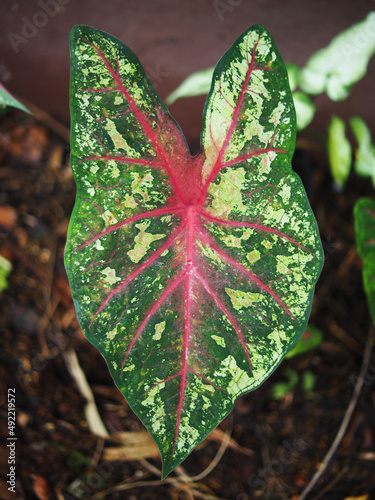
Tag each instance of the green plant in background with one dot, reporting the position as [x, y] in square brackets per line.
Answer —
[337, 67]
[364, 223]
[364, 161]
[339, 152]
[305, 108]
[308, 342]
[5, 269]
[193, 276]
[8, 101]
[341, 161]
[333, 70]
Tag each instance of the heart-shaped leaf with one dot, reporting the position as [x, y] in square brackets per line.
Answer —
[193, 276]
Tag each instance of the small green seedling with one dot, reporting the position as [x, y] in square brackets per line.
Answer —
[309, 341]
[193, 276]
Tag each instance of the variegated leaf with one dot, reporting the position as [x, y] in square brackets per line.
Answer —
[192, 275]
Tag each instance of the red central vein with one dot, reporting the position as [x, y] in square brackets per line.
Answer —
[228, 315]
[190, 220]
[151, 213]
[248, 273]
[138, 271]
[252, 225]
[141, 119]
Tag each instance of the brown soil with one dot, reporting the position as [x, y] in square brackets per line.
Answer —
[276, 445]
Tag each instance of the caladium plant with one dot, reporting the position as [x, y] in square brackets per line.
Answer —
[193, 276]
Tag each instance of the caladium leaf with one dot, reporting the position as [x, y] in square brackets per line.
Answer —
[364, 223]
[193, 276]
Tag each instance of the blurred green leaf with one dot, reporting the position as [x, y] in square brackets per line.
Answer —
[305, 109]
[281, 388]
[198, 83]
[335, 68]
[7, 100]
[361, 132]
[364, 161]
[5, 269]
[308, 381]
[364, 223]
[309, 340]
[293, 75]
[339, 151]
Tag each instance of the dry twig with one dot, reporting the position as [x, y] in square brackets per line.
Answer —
[189, 484]
[93, 418]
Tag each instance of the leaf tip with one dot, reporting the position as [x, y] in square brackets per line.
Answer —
[167, 467]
